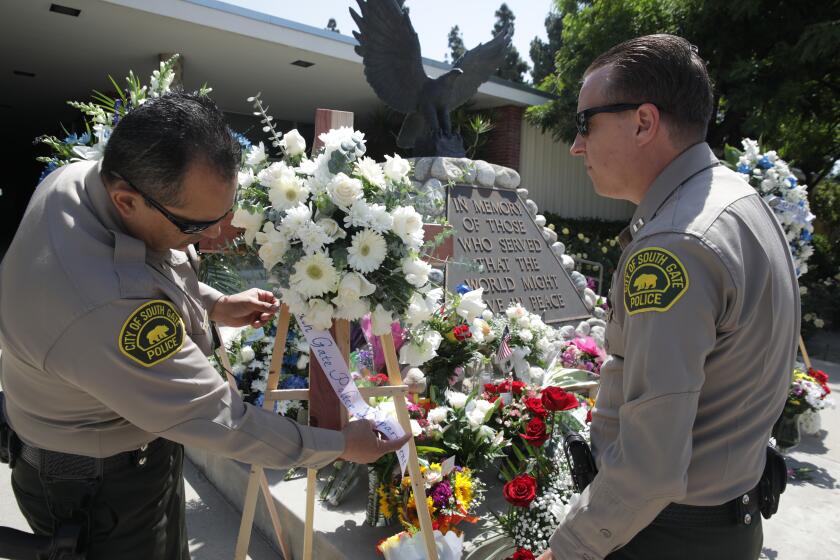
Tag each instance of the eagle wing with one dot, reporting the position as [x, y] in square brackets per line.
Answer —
[390, 49]
[478, 64]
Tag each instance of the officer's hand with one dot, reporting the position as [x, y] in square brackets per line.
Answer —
[253, 307]
[364, 445]
[547, 555]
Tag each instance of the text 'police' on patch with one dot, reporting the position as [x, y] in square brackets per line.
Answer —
[151, 334]
[654, 279]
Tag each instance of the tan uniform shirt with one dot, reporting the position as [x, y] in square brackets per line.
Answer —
[74, 290]
[702, 339]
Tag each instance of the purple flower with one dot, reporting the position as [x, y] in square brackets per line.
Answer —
[441, 494]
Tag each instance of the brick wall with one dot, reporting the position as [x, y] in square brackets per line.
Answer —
[504, 140]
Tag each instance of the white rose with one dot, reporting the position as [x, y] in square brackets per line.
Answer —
[332, 228]
[415, 379]
[416, 271]
[352, 287]
[408, 225]
[249, 221]
[455, 398]
[380, 321]
[438, 414]
[246, 354]
[319, 314]
[344, 190]
[293, 143]
[351, 310]
[525, 335]
[293, 300]
[475, 418]
[471, 304]
[396, 168]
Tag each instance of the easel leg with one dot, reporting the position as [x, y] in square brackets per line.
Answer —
[417, 484]
[309, 524]
[805, 356]
[248, 510]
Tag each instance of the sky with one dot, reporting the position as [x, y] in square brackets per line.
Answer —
[432, 19]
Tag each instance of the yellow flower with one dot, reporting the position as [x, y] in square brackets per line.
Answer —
[565, 231]
[384, 502]
[464, 488]
[431, 503]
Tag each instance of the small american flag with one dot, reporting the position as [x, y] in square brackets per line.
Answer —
[504, 352]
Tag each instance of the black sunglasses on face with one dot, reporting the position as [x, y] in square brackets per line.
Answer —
[188, 227]
[582, 118]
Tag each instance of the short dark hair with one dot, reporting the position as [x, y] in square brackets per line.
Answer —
[667, 71]
[155, 144]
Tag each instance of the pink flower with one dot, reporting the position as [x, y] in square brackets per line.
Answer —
[587, 344]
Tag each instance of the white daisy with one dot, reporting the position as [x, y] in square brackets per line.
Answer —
[367, 251]
[314, 275]
[288, 191]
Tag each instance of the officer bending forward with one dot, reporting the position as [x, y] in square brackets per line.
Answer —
[104, 330]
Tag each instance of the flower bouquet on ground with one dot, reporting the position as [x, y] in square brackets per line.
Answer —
[453, 494]
[539, 487]
[337, 232]
[808, 395]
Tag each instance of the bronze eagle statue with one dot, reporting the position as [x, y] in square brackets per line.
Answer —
[390, 51]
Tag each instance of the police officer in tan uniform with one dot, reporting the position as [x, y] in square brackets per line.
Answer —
[702, 329]
[105, 331]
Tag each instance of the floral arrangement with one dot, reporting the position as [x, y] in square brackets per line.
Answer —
[249, 351]
[809, 391]
[772, 178]
[336, 232]
[583, 352]
[102, 115]
[538, 487]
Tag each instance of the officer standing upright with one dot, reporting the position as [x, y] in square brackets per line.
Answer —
[702, 329]
[105, 331]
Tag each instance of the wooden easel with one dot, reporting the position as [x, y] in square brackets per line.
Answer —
[396, 390]
[805, 356]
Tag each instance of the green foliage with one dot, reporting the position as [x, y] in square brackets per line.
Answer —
[513, 67]
[456, 43]
[593, 240]
[772, 63]
[542, 53]
[820, 301]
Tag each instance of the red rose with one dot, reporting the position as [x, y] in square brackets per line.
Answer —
[504, 386]
[589, 416]
[535, 433]
[462, 332]
[491, 388]
[555, 398]
[820, 376]
[522, 554]
[521, 491]
[535, 405]
[517, 387]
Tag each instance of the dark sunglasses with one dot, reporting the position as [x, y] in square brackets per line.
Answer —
[188, 227]
[582, 118]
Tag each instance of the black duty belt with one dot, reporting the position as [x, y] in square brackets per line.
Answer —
[743, 510]
[68, 465]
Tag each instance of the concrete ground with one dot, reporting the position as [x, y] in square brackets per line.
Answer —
[805, 527]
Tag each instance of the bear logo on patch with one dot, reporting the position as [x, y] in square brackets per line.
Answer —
[151, 334]
[654, 280]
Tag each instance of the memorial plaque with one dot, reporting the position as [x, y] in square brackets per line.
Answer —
[494, 230]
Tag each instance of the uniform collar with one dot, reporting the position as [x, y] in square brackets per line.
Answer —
[110, 218]
[692, 161]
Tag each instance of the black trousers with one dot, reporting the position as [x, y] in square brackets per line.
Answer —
[137, 513]
[664, 540]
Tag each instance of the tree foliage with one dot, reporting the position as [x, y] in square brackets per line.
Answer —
[542, 53]
[513, 67]
[774, 66]
[456, 43]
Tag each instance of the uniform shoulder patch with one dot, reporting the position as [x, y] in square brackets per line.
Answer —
[654, 280]
[151, 334]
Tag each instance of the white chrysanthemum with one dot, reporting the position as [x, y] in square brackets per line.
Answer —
[344, 190]
[313, 238]
[293, 300]
[416, 271]
[367, 251]
[380, 321]
[249, 221]
[293, 143]
[343, 138]
[295, 219]
[379, 219]
[245, 178]
[396, 168]
[358, 215]
[408, 225]
[314, 275]
[371, 171]
[255, 155]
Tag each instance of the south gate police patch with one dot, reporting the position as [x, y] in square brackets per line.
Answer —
[153, 333]
[654, 280]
